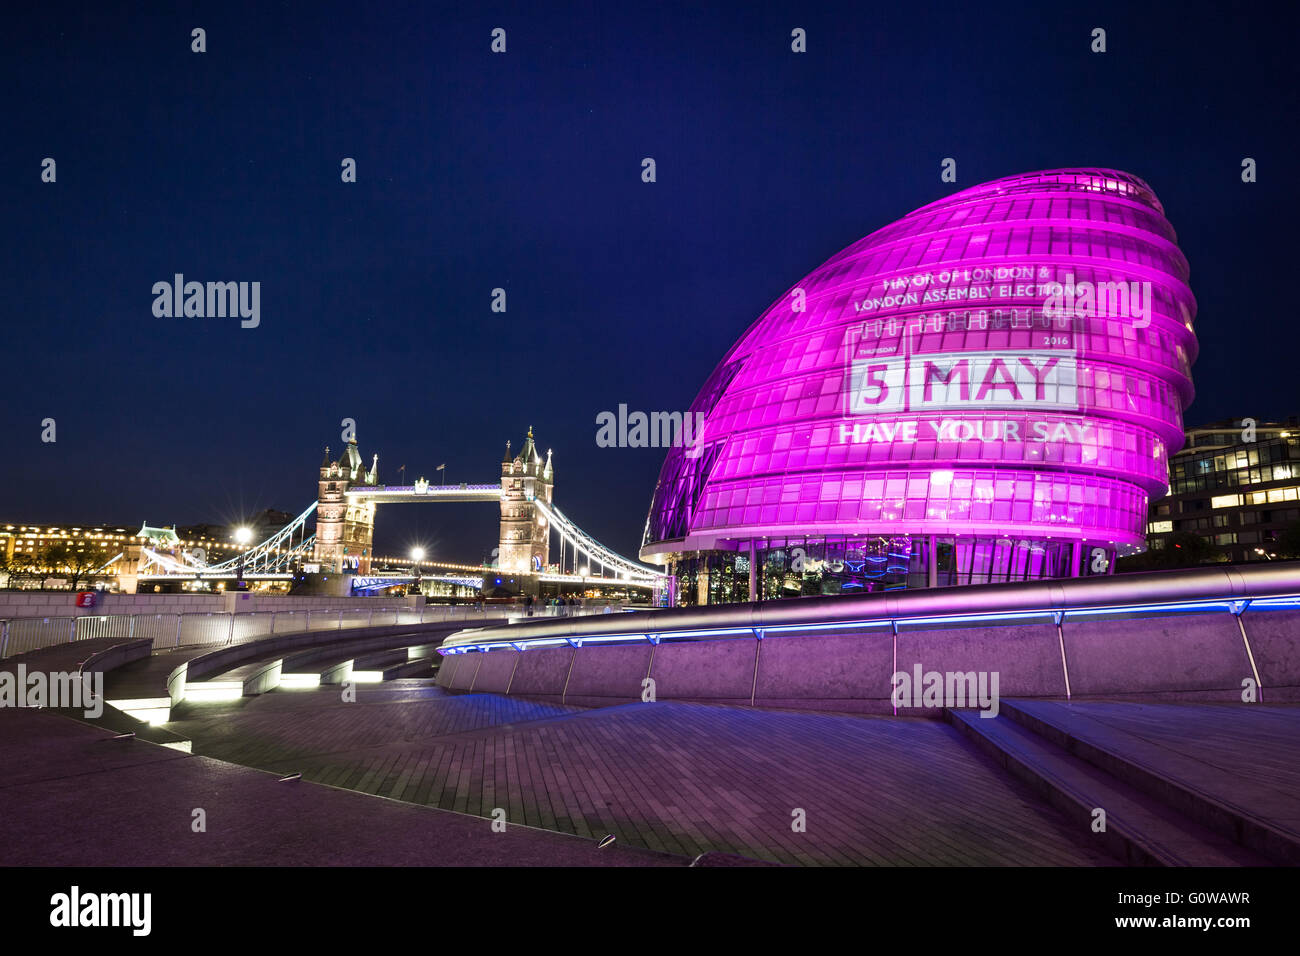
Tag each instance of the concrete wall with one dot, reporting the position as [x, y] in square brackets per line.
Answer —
[612, 677]
[1200, 656]
[117, 655]
[541, 672]
[493, 674]
[721, 671]
[62, 603]
[1169, 656]
[264, 679]
[464, 676]
[848, 672]
[1275, 644]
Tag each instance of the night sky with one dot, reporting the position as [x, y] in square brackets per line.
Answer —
[523, 171]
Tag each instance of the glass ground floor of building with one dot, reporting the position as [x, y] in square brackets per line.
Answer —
[778, 568]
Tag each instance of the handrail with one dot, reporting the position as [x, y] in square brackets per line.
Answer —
[1180, 589]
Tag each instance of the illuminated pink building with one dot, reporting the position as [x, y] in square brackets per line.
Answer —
[986, 390]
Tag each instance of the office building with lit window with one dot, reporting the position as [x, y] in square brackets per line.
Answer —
[986, 390]
[1236, 484]
[29, 554]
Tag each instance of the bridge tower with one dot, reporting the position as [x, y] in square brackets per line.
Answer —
[525, 545]
[345, 529]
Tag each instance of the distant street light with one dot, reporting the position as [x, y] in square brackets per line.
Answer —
[243, 535]
[417, 555]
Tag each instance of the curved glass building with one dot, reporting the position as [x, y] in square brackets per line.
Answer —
[986, 390]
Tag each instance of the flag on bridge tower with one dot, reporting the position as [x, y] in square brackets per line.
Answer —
[442, 468]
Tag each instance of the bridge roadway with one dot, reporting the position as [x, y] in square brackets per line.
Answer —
[389, 494]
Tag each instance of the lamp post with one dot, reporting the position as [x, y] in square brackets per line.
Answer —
[417, 555]
[242, 537]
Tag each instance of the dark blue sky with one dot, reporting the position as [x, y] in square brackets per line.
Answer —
[522, 171]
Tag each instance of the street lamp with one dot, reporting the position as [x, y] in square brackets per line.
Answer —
[417, 555]
[242, 537]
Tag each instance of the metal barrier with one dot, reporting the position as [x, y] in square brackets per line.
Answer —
[23, 634]
[564, 610]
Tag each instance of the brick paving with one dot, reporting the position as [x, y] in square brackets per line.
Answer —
[674, 777]
[74, 796]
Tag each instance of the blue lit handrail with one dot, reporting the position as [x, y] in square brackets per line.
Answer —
[1182, 590]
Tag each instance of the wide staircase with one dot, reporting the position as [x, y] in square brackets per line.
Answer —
[1170, 782]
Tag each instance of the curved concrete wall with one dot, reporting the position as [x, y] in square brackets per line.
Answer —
[264, 679]
[1275, 644]
[613, 677]
[494, 672]
[1171, 656]
[1197, 656]
[540, 673]
[117, 655]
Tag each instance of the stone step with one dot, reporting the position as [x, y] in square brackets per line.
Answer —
[407, 669]
[1140, 831]
[380, 660]
[1155, 771]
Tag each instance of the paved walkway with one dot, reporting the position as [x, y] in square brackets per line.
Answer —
[670, 780]
[73, 796]
[674, 777]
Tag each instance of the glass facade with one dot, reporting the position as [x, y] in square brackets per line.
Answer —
[1009, 364]
[810, 567]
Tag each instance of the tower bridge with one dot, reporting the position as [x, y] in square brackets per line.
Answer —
[347, 500]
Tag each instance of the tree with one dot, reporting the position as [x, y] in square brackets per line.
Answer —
[1182, 549]
[1288, 541]
[22, 567]
[74, 562]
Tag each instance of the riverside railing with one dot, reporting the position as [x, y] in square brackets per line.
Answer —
[22, 634]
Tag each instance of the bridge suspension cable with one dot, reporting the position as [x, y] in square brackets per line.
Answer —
[277, 552]
[596, 552]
